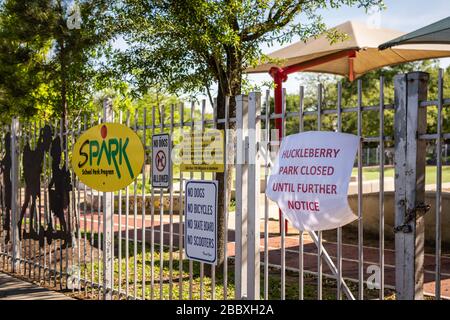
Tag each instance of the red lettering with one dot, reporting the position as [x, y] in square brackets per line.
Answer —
[317, 170]
[304, 205]
[333, 189]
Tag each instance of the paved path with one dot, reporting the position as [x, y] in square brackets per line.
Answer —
[15, 289]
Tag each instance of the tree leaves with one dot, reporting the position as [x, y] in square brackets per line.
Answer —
[45, 63]
[185, 44]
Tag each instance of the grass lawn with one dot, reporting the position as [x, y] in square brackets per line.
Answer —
[372, 173]
[137, 285]
[274, 281]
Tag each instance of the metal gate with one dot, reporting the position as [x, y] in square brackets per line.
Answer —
[129, 244]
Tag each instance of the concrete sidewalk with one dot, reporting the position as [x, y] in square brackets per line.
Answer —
[15, 289]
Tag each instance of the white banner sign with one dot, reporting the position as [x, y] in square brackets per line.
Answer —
[161, 160]
[200, 229]
[310, 178]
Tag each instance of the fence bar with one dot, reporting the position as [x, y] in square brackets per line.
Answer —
[180, 216]
[319, 233]
[108, 216]
[36, 219]
[241, 208]
[119, 242]
[283, 221]
[135, 231]
[301, 274]
[191, 176]
[161, 220]
[91, 231]
[144, 230]
[439, 188]
[21, 142]
[77, 206]
[225, 198]
[152, 221]
[71, 211]
[171, 208]
[214, 177]
[99, 225]
[266, 199]
[253, 191]
[15, 263]
[127, 234]
[360, 195]
[46, 217]
[339, 230]
[381, 192]
[26, 139]
[202, 177]
[410, 121]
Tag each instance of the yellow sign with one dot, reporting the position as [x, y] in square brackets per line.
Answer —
[108, 157]
[203, 151]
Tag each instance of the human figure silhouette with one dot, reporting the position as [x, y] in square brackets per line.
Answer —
[59, 191]
[32, 169]
[5, 169]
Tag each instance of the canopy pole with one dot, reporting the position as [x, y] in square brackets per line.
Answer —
[351, 69]
[279, 76]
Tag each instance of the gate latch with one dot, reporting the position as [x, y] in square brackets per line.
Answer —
[421, 208]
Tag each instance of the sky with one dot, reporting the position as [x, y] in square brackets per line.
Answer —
[402, 15]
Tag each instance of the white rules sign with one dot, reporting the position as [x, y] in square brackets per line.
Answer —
[309, 180]
[200, 229]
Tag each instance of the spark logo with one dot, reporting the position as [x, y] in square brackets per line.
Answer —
[115, 151]
[108, 157]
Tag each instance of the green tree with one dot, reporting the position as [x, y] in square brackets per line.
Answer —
[58, 49]
[22, 54]
[370, 84]
[191, 45]
[370, 94]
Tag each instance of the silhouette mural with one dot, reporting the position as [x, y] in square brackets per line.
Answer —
[32, 170]
[59, 195]
[5, 170]
[59, 188]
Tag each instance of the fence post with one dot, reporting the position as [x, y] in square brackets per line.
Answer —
[108, 211]
[254, 181]
[241, 260]
[410, 123]
[14, 195]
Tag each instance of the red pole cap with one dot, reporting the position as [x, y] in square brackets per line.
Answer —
[278, 72]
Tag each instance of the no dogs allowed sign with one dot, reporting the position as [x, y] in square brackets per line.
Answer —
[200, 231]
[161, 160]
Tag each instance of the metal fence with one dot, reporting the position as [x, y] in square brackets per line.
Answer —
[129, 244]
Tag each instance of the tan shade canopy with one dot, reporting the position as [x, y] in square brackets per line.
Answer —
[364, 40]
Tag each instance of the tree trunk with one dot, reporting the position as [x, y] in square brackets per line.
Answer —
[231, 89]
[223, 201]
